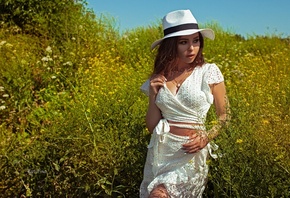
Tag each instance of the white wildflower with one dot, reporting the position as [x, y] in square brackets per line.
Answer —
[1, 88]
[48, 49]
[45, 59]
[49, 58]
[53, 77]
[5, 95]
[3, 43]
[9, 45]
[2, 107]
[69, 63]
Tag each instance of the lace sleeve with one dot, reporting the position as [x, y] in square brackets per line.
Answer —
[214, 75]
[145, 87]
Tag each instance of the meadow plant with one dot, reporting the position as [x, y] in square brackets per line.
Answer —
[73, 116]
[255, 161]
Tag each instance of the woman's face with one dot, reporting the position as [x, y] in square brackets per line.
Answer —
[187, 48]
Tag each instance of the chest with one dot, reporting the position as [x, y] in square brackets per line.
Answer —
[190, 93]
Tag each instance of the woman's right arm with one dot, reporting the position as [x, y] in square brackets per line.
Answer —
[153, 114]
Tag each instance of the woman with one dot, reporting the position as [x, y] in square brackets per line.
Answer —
[181, 90]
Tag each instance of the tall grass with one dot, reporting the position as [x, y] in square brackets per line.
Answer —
[72, 115]
[256, 161]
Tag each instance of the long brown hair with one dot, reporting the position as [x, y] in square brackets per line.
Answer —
[165, 60]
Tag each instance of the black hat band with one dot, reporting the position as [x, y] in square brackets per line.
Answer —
[180, 28]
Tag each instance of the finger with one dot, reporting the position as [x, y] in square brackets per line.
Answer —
[195, 148]
[158, 77]
[156, 80]
[164, 79]
[192, 149]
[193, 139]
[193, 136]
[190, 146]
[156, 84]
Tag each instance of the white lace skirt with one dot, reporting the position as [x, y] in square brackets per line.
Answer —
[183, 175]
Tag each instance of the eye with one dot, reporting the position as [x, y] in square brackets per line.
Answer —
[182, 42]
[196, 40]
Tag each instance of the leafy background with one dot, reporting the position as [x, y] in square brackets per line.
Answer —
[72, 114]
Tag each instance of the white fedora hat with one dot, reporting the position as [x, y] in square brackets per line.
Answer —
[181, 23]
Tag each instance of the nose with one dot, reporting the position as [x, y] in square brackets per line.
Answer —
[191, 46]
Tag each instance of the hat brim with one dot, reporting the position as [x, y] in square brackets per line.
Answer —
[208, 33]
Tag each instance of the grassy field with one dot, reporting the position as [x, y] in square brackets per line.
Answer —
[72, 114]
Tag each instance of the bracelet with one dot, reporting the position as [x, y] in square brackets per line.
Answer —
[211, 134]
[214, 132]
[203, 134]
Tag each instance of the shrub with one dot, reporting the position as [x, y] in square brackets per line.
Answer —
[72, 115]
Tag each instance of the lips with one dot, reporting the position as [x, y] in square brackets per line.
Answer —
[191, 56]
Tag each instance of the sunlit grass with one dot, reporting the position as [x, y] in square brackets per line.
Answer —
[72, 118]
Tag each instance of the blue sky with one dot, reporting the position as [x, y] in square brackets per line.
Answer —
[245, 17]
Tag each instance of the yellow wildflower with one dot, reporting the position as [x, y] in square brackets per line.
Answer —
[239, 141]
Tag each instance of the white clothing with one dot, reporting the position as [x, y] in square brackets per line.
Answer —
[183, 174]
[193, 99]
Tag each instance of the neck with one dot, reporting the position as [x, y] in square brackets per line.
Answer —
[184, 68]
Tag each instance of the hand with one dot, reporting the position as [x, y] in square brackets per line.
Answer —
[156, 82]
[197, 142]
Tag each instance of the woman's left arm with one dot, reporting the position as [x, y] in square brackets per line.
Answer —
[221, 104]
[202, 138]
[220, 100]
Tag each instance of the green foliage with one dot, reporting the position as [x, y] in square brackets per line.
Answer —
[54, 20]
[72, 115]
[255, 161]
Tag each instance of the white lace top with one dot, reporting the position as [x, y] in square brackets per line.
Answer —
[193, 99]
[182, 174]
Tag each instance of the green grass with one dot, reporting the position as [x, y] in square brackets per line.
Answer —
[72, 115]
